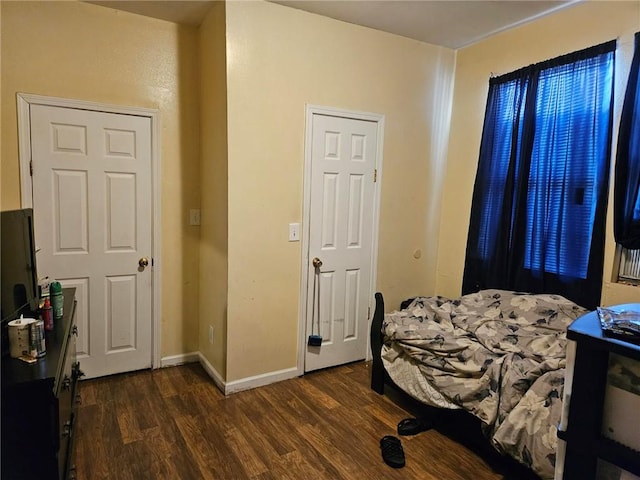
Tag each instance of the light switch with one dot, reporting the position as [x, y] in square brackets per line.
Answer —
[294, 232]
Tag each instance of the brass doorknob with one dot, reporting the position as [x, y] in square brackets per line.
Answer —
[317, 263]
[143, 262]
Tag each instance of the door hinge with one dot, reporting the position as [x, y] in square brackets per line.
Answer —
[31, 168]
[375, 175]
[368, 313]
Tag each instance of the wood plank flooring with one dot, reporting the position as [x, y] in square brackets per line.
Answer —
[173, 423]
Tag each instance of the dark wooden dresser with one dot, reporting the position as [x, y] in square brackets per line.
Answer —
[39, 406]
[585, 442]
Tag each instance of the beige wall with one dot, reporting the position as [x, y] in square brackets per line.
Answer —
[213, 177]
[82, 51]
[231, 97]
[572, 29]
[278, 60]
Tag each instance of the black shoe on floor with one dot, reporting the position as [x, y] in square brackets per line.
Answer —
[413, 426]
[392, 452]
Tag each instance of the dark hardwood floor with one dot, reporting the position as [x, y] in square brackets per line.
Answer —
[173, 423]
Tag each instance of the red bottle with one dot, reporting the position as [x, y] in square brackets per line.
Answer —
[47, 315]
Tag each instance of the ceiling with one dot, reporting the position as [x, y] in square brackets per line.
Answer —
[449, 23]
[186, 12]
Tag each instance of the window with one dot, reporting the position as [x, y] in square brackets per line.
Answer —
[539, 202]
[505, 105]
[570, 148]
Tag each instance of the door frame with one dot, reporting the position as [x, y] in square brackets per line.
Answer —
[24, 102]
[310, 111]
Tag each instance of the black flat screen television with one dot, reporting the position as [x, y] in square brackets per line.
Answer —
[19, 273]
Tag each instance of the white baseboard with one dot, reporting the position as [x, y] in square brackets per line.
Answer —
[181, 359]
[213, 373]
[260, 380]
[237, 385]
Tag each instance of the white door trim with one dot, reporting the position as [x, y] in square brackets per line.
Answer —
[312, 110]
[24, 102]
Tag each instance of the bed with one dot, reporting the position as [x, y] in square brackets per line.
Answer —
[496, 354]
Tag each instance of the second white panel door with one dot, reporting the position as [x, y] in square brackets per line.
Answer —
[343, 163]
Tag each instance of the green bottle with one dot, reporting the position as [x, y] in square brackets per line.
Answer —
[57, 300]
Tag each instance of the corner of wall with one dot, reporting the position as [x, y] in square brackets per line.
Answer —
[212, 325]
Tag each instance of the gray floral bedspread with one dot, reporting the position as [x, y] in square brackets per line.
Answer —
[499, 355]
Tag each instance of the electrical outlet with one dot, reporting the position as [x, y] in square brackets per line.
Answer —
[194, 216]
[211, 334]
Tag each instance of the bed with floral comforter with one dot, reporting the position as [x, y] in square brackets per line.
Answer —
[497, 354]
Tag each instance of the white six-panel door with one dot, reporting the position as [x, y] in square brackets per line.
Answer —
[341, 219]
[92, 208]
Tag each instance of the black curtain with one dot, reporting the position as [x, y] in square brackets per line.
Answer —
[626, 213]
[540, 195]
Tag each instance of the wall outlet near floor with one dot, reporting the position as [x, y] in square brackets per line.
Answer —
[194, 216]
[211, 334]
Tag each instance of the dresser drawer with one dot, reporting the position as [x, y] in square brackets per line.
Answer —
[65, 413]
